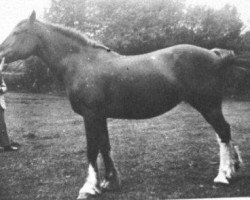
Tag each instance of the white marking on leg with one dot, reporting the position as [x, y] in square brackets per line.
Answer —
[111, 180]
[91, 186]
[112, 183]
[92, 175]
[238, 155]
[224, 168]
[230, 161]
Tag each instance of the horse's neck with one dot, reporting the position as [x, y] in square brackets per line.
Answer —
[51, 48]
[52, 51]
[56, 46]
[56, 49]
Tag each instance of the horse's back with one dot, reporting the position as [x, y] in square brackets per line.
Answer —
[184, 66]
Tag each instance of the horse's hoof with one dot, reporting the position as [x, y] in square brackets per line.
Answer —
[83, 196]
[106, 185]
[221, 179]
[109, 185]
[87, 191]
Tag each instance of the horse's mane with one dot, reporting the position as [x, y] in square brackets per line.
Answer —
[77, 36]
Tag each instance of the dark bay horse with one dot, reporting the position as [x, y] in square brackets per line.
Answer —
[102, 84]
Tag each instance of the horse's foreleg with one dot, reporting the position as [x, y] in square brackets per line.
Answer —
[111, 180]
[93, 127]
[230, 159]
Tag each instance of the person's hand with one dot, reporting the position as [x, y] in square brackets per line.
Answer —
[2, 63]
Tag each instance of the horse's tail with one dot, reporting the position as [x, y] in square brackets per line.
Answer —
[241, 63]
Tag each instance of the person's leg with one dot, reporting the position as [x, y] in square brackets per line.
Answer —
[4, 138]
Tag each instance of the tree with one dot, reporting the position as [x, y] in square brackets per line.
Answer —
[130, 27]
[212, 28]
[246, 40]
[135, 27]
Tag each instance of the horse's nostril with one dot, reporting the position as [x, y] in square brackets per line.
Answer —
[237, 166]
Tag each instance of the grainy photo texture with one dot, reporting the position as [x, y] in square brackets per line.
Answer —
[124, 99]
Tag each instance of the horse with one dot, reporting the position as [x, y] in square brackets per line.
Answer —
[100, 84]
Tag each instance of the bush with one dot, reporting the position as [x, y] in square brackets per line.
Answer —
[135, 27]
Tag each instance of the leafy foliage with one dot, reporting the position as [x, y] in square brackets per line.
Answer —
[136, 27]
[213, 28]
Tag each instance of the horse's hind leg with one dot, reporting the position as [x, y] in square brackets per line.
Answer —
[211, 109]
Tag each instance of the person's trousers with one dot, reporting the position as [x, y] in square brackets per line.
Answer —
[4, 138]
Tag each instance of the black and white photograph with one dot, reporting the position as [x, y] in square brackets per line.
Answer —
[124, 99]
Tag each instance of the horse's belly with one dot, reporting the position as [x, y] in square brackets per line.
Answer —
[142, 108]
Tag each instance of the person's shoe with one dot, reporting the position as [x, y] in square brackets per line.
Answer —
[10, 148]
[15, 144]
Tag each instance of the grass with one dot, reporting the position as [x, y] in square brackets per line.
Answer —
[171, 156]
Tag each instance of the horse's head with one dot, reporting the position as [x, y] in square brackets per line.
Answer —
[22, 41]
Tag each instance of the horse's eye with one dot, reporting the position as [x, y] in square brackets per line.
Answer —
[19, 32]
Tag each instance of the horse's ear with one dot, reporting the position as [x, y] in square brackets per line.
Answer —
[32, 17]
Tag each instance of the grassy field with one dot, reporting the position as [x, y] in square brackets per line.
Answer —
[171, 156]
